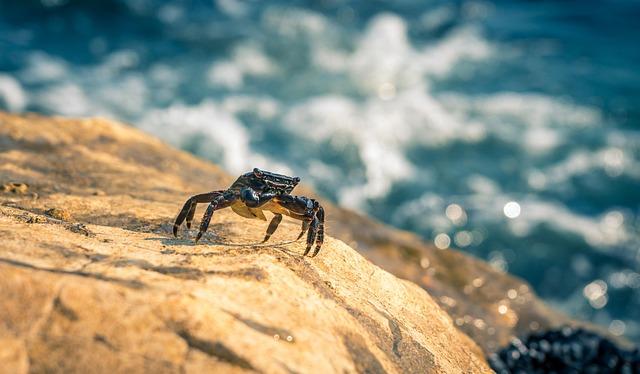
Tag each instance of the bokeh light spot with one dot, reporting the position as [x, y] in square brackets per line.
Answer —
[511, 209]
[617, 327]
[442, 241]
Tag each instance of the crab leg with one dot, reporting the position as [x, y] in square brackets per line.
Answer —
[219, 202]
[252, 199]
[277, 218]
[305, 227]
[311, 235]
[320, 240]
[189, 208]
[310, 213]
[305, 218]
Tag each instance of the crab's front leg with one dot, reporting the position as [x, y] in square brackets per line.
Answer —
[189, 208]
[220, 202]
[273, 225]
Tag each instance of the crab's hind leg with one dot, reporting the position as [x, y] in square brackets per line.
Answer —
[305, 227]
[277, 218]
[189, 208]
[306, 220]
[320, 239]
[310, 213]
[311, 235]
[219, 202]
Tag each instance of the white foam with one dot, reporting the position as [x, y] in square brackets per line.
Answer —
[233, 8]
[128, 95]
[330, 59]
[385, 55]
[68, 99]
[264, 107]
[253, 60]
[382, 131]
[597, 231]
[164, 81]
[380, 146]
[613, 160]
[594, 232]
[215, 127]
[482, 185]
[220, 135]
[541, 140]
[465, 43]
[247, 60]
[430, 208]
[536, 110]
[43, 68]
[398, 110]
[170, 13]
[435, 18]
[115, 63]
[295, 23]
[536, 122]
[12, 95]
[225, 74]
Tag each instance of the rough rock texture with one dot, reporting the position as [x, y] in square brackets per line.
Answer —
[92, 281]
[565, 351]
[490, 306]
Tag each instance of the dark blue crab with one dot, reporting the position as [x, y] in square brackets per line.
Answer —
[253, 193]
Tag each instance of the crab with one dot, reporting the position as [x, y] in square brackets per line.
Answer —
[250, 196]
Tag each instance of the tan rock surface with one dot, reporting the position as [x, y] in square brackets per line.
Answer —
[99, 285]
[490, 306]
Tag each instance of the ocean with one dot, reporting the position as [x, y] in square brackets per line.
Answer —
[507, 129]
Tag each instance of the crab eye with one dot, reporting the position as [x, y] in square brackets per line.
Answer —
[296, 180]
[257, 172]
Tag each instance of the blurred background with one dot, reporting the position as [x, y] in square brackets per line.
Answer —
[507, 129]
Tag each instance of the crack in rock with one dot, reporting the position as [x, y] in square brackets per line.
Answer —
[215, 349]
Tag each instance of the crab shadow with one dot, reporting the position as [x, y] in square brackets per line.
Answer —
[282, 246]
[219, 235]
[131, 283]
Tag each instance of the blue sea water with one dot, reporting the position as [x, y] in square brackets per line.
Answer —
[508, 129]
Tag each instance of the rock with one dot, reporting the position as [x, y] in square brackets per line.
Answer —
[111, 162]
[490, 306]
[567, 350]
[13, 355]
[17, 188]
[57, 213]
[114, 292]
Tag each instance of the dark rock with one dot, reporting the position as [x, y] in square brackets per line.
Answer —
[569, 350]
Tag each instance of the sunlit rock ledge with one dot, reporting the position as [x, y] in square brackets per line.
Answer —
[92, 281]
[90, 273]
